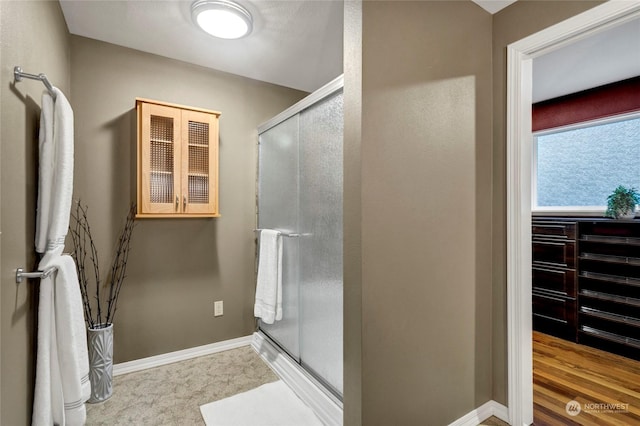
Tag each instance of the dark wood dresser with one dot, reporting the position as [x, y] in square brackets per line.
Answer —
[586, 281]
[554, 277]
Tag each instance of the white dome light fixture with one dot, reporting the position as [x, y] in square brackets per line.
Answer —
[222, 18]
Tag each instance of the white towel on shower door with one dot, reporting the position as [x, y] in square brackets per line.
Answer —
[62, 364]
[268, 305]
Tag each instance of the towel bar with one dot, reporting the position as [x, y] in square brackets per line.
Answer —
[284, 234]
[21, 274]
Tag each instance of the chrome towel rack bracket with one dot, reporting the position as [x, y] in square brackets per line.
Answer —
[18, 75]
[21, 274]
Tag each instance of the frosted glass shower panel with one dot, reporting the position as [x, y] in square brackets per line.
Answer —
[278, 206]
[321, 187]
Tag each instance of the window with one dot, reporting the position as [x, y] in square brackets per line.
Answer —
[577, 167]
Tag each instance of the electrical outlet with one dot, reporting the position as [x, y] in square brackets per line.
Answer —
[218, 308]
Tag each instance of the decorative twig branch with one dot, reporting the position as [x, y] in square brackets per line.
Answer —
[83, 246]
[81, 236]
[119, 266]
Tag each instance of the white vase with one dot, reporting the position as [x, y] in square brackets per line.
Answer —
[629, 214]
[100, 341]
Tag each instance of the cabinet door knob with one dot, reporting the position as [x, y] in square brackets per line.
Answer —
[177, 202]
[184, 203]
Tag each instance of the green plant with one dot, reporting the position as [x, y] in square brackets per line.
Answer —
[622, 201]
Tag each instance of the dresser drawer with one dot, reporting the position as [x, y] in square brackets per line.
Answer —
[561, 309]
[554, 315]
[559, 253]
[561, 281]
[555, 229]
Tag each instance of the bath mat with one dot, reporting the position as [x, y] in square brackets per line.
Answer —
[273, 404]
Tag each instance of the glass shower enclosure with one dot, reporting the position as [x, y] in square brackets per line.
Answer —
[300, 192]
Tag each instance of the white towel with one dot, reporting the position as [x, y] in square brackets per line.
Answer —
[62, 365]
[46, 151]
[268, 304]
[56, 172]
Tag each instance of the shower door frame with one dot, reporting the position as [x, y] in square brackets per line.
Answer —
[324, 92]
[314, 98]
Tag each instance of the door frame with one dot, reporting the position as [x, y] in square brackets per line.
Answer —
[520, 57]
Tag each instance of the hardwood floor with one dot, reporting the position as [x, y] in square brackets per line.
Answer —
[607, 386]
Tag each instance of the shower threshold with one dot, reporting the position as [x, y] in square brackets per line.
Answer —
[324, 403]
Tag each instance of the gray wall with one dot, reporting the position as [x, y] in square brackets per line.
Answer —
[418, 185]
[177, 267]
[352, 209]
[34, 36]
[425, 226]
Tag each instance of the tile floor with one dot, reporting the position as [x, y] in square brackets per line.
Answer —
[172, 394]
[494, 421]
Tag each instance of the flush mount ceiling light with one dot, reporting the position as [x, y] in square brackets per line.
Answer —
[222, 18]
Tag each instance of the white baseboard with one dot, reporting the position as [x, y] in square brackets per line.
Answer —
[482, 413]
[171, 357]
[326, 406]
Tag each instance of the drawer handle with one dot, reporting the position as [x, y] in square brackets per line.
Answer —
[555, 271]
[556, 299]
[561, 265]
[552, 243]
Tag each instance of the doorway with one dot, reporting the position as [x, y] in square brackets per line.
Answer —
[520, 57]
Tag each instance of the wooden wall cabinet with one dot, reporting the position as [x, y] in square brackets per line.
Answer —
[177, 160]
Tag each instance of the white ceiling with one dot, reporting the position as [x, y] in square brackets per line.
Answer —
[603, 58]
[493, 6]
[298, 43]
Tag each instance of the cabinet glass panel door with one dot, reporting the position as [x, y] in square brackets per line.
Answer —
[278, 207]
[199, 162]
[160, 158]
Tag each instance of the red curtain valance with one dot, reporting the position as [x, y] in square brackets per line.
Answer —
[604, 101]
